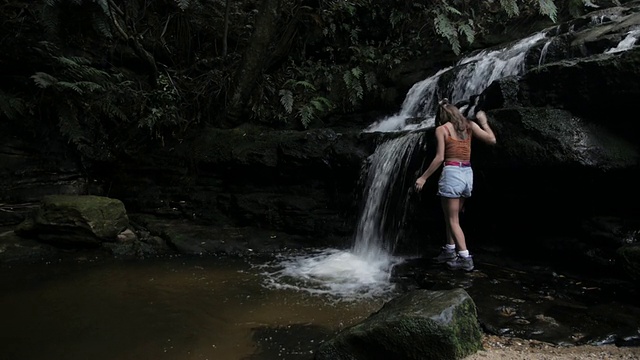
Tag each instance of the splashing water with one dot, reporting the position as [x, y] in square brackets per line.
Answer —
[625, 44]
[364, 269]
[339, 274]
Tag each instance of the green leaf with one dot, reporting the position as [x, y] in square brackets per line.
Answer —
[286, 99]
[548, 7]
[357, 72]
[90, 86]
[71, 86]
[306, 115]
[468, 31]
[44, 80]
[510, 7]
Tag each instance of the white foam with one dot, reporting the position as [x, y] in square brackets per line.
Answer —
[339, 273]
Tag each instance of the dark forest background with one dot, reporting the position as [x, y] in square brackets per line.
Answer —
[115, 77]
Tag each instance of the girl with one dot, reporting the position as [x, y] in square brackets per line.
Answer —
[456, 181]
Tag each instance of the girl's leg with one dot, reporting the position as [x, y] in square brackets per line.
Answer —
[451, 208]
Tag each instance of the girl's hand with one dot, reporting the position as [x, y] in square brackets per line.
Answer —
[420, 183]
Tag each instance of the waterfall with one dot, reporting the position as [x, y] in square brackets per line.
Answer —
[472, 75]
[364, 269]
[376, 233]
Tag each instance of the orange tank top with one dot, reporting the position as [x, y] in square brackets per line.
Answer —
[457, 149]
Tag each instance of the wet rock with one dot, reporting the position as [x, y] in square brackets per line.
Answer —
[420, 324]
[75, 220]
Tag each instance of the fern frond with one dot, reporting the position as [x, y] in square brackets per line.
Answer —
[286, 99]
[71, 86]
[71, 62]
[548, 8]
[305, 84]
[357, 72]
[102, 26]
[11, 107]
[468, 31]
[359, 91]
[510, 7]
[44, 80]
[89, 86]
[95, 74]
[446, 29]
[370, 80]
[450, 9]
[321, 103]
[347, 77]
[104, 6]
[183, 4]
[306, 115]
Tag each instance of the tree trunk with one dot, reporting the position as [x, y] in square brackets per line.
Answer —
[253, 61]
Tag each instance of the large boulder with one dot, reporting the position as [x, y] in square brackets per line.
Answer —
[420, 324]
[75, 220]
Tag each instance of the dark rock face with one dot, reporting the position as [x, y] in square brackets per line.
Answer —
[28, 172]
[420, 324]
[300, 182]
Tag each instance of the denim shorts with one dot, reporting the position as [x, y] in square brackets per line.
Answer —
[455, 182]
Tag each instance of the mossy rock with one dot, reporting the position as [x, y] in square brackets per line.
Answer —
[75, 219]
[421, 324]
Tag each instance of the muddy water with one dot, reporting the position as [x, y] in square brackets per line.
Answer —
[224, 309]
[162, 309]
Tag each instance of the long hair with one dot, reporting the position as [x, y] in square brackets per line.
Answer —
[450, 113]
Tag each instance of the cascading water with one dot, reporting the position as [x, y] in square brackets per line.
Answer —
[377, 229]
[472, 75]
[626, 43]
[364, 269]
